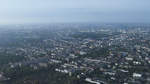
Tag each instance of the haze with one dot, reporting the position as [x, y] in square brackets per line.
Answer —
[54, 11]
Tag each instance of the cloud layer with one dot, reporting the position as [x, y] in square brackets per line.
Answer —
[49, 11]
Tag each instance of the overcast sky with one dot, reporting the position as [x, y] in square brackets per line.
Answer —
[52, 11]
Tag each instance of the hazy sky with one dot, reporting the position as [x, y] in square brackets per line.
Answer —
[51, 11]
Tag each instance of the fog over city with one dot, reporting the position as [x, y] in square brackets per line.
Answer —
[74, 41]
[67, 11]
